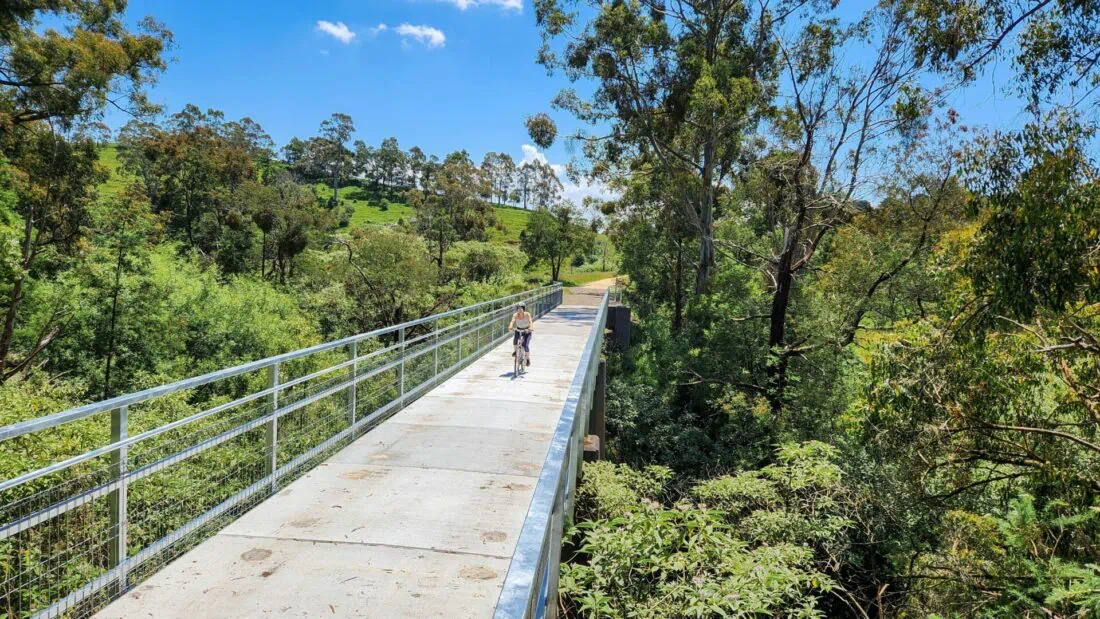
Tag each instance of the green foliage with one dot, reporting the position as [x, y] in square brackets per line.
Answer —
[88, 57]
[1039, 245]
[175, 319]
[1014, 560]
[483, 262]
[616, 490]
[1053, 45]
[203, 172]
[450, 208]
[747, 550]
[553, 235]
[542, 130]
[387, 277]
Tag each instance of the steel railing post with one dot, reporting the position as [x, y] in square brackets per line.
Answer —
[272, 463]
[117, 499]
[435, 345]
[354, 374]
[401, 370]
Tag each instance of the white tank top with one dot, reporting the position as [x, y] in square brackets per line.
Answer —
[523, 323]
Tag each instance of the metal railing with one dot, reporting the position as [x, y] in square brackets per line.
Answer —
[91, 505]
[615, 293]
[531, 586]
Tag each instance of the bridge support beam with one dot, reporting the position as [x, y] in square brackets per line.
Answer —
[618, 320]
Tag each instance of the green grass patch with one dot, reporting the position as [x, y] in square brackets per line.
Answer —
[108, 157]
[373, 207]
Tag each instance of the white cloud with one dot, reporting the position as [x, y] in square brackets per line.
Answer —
[338, 31]
[507, 5]
[532, 154]
[377, 29]
[574, 192]
[429, 36]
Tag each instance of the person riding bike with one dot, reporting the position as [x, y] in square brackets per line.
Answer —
[522, 325]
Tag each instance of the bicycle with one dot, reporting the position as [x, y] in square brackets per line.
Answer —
[520, 354]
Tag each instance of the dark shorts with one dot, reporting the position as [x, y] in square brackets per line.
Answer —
[526, 335]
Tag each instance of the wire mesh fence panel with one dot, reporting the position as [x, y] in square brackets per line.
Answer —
[98, 498]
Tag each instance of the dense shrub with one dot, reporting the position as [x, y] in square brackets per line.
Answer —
[758, 543]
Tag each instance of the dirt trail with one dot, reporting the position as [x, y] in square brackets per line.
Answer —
[602, 284]
[589, 294]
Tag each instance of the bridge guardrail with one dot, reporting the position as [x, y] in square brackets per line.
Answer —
[531, 585]
[183, 459]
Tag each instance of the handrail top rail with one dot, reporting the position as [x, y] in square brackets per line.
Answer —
[38, 424]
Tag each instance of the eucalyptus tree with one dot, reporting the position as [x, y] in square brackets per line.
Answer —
[525, 182]
[336, 158]
[66, 62]
[417, 160]
[852, 90]
[1053, 45]
[195, 169]
[769, 115]
[554, 234]
[450, 208]
[392, 163]
[504, 177]
[54, 181]
[54, 80]
[490, 169]
[681, 82]
[546, 187]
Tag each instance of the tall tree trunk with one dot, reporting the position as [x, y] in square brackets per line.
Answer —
[784, 283]
[781, 299]
[114, 321]
[441, 250]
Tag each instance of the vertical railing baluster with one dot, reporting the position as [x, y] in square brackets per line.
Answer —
[272, 462]
[401, 371]
[435, 342]
[352, 390]
[118, 497]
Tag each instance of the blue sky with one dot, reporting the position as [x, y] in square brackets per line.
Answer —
[442, 74]
[269, 60]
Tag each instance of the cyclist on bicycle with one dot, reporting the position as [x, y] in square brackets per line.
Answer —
[522, 325]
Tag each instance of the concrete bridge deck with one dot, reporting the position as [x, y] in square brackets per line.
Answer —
[418, 518]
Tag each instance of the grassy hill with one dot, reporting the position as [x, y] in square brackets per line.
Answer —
[108, 156]
[373, 207]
